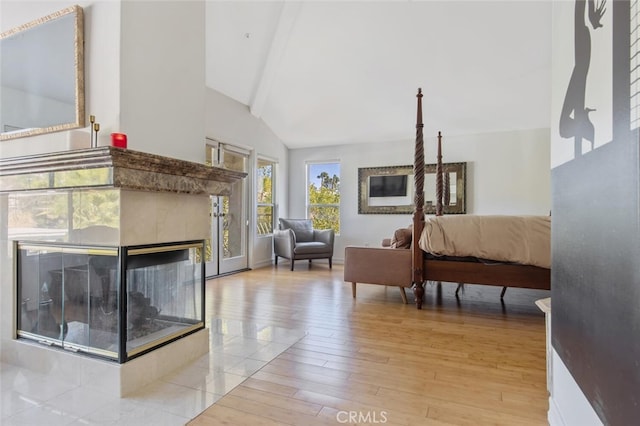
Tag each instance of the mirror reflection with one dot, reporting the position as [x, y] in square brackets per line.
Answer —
[390, 190]
[41, 75]
[454, 177]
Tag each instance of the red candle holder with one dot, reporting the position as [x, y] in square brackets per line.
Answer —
[119, 140]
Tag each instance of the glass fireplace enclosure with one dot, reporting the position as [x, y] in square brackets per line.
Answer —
[112, 302]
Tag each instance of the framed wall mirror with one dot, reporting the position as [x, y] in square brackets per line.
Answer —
[390, 190]
[42, 75]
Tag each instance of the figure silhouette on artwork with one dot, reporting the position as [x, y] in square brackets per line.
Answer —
[579, 126]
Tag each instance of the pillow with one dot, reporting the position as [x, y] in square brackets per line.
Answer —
[401, 238]
[302, 228]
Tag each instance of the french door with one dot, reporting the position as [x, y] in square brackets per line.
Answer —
[227, 249]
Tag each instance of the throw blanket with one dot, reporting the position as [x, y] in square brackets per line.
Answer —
[518, 239]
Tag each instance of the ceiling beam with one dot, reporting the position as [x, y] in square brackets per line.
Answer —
[286, 21]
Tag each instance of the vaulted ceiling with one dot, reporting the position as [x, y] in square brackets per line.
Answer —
[334, 72]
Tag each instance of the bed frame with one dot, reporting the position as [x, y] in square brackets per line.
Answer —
[425, 269]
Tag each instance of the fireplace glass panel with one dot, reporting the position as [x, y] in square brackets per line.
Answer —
[164, 290]
[69, 297]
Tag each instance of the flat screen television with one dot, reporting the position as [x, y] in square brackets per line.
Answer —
[388, 186]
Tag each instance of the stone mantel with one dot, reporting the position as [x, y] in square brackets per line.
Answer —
[110, 167]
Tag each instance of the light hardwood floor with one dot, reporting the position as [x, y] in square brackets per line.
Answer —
[374, 360]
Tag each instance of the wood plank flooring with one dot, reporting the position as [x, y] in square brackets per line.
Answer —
[373, 360]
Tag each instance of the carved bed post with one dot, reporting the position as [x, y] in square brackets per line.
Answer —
[418, 214]
[439, 177]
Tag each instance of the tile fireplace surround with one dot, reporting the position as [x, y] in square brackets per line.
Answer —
[101, 197]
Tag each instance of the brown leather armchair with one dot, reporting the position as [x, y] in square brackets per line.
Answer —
[296, 239]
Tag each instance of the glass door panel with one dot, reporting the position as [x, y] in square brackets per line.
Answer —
[232, 216]
[228, 246]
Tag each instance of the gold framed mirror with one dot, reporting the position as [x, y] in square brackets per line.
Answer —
[390, 190]
[42, 75]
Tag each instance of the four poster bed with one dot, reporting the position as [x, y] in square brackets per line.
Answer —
[521, 262]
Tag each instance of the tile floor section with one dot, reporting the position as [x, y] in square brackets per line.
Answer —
[237, 350]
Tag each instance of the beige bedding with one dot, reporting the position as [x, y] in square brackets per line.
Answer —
[518, 239]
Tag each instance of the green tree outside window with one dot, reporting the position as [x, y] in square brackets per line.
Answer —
[323, 206]
[264, 197]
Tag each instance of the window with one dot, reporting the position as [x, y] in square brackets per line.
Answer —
[323, 195]
[264, 196]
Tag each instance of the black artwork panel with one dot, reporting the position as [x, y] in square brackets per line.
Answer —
[596, 253]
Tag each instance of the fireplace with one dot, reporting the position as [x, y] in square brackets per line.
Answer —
[115, 303]
[101, 253]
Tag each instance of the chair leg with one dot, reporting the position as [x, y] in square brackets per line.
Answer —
[504, 290]
[329, 263]
[292, 264]
[404, 295]
[353, 290]
[276, 260]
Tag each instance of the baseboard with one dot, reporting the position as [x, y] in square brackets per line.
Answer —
[262, 264]
[213, 277]
[553, 415]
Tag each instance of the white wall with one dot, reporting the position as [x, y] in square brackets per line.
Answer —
[162, 89]
[230, 122]
[507, 173]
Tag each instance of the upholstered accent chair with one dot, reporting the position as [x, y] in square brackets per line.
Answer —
[296, 239]
[378, 265]
[387, 265]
